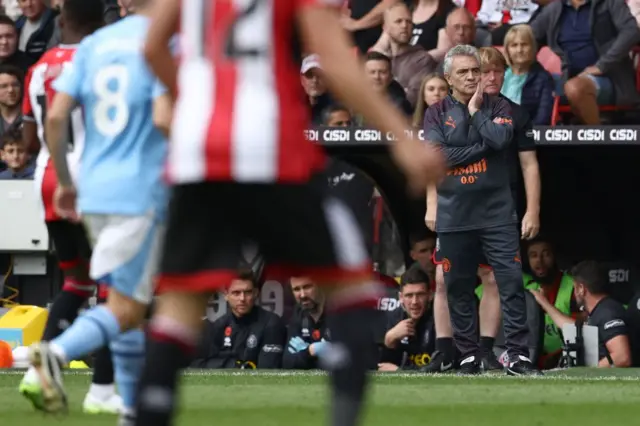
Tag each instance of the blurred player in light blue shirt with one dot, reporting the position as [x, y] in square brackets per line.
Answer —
[121, 171]
[121, 196]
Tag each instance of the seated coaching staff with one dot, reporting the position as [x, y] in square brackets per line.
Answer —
[307, 332]
[604, 312]
[247, 336]
[410, 335]
[476, 216]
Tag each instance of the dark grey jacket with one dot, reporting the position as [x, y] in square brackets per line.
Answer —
[476, 192]
[614, 31]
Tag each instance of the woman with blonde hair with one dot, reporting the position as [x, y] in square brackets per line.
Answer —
[526, 82]
[433, 89]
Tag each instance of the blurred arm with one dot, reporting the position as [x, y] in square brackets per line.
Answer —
[56, 129]
[164, 24]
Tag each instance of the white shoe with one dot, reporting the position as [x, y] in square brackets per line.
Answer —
[110, 405]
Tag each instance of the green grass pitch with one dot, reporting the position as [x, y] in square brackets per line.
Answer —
[221, 398]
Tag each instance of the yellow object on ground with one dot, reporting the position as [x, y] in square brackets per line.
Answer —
[78, 364]
[23, 325]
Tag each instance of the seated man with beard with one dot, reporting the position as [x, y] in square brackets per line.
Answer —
[307, 334]
[591, 288]
[410, 338]
[557, 287]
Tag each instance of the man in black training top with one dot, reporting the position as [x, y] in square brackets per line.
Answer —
[307, 331]
[247, 336]
[606, 313]
[476, 215]
[409, 340]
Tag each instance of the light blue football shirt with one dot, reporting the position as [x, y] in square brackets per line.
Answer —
[123, 158]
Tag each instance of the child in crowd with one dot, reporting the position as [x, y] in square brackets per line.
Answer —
[14, 153]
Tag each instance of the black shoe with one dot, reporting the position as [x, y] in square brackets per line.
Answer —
[469, 366]
[522, 366]
[489, 362]
[127, 419]
[440, 363]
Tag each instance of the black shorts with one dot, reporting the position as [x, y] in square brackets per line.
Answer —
[298, 229]
[70, 242]
[438, 259]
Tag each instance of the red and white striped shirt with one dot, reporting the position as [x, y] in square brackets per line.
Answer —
[39, 95]
[241, 112]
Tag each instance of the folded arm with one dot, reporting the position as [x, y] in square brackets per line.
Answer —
[496, 126]
[454, 155]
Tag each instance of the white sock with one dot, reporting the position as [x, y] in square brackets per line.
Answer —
[102, 392]
[59, 353]
[31, 376]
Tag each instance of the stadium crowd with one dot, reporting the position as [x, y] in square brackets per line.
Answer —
[570, 61]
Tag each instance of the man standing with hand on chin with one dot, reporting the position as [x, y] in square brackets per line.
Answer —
[476, 216]
[523, 148]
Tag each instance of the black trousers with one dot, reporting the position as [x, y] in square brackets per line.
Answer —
[461, 252]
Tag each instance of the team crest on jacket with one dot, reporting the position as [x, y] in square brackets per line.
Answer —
[252, 342]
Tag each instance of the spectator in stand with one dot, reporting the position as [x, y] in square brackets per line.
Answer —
[378, 69]
[35, 27]
[429, 16]
[460, 29]
[593, 39]
[433, 89]
[604, 312]
[409, 63]
[9, 53]
[10, 97]
[496, 17]
[15, 156]
[526, 82]
[363, 19]
[315, 87]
